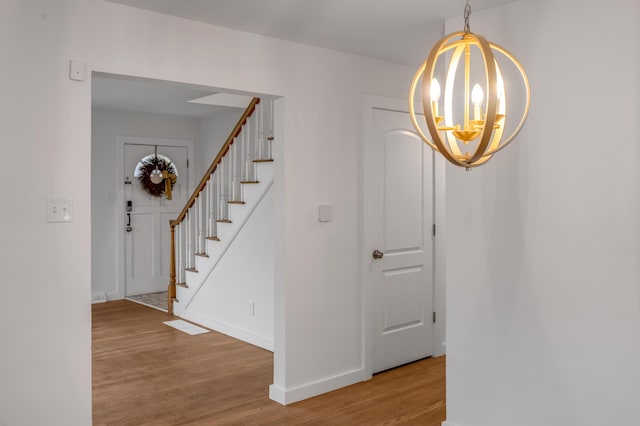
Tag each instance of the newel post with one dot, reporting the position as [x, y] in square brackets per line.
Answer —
[171, 291]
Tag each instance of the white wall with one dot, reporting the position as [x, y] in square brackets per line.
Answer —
[543, 250]
[244, 274]
[106, 126]
[45, 316]
[46, 367]
[214, 131]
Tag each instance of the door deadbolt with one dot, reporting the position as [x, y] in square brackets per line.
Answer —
[377, 254]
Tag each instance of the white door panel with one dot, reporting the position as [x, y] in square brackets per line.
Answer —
[403, 195]
[399, 203]
[147, 245]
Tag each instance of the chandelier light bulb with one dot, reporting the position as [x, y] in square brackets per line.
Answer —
[500, 86]
[500, 109]
[435, 97]
[477, 96]
[435, 90]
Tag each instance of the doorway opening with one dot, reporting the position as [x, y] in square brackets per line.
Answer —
[184, 125]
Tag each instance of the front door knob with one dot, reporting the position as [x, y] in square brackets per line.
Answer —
[377, 254]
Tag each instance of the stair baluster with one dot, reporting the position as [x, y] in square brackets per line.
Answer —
[199, 234]
[229, 178]
[192, 237]
[241, 159]
[235, 196]
[259, 133]
[254, 135]
[209, 210]
[223, 198]
[196, 242]
[251, 174]
[270, 129]
[187, 233]
[179, 264]
[214, 203]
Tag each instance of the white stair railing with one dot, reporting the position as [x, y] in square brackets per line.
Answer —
[221, 185]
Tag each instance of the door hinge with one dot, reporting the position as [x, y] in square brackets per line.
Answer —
[434, 317]
[434, 230]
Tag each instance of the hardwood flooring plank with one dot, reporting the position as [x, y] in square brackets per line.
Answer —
[146, 373]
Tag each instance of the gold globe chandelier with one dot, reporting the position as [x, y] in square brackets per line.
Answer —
[463, 139]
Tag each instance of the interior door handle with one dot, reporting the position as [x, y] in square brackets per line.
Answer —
[129, 228]
[377, 254]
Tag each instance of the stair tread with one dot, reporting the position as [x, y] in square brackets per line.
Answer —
[191, 269]
[202, 254]
[212, 238]
[223, 221]
[250, 181]
[183, 285]
[263, 161]
[236, 202]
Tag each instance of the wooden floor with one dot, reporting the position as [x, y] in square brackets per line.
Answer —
[146, 373]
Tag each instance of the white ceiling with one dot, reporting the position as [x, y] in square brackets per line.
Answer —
[400, 31]
[131, 94]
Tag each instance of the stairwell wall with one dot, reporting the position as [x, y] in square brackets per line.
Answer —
[214, 131]
[244, 275]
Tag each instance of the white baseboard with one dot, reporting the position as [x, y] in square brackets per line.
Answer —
[102, 296]
[113, 295]
[228, 329]
[277, 394]
[446, 423]
[319, 387]
[441, 350]
[98, 297]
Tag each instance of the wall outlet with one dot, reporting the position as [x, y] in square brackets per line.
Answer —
[252, 308]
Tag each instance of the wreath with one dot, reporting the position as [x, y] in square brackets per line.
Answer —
[157, 176]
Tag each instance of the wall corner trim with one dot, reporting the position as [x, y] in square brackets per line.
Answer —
[298, 393]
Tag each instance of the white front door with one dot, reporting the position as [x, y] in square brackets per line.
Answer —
[398, 204]
[146, 227]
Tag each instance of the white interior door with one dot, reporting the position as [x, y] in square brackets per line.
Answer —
[399, 209]
[147, 241]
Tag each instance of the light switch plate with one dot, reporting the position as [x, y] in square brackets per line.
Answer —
[325, 213]
[59, 210]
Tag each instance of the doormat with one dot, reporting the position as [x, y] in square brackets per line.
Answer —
[152, 300]
[186, 327]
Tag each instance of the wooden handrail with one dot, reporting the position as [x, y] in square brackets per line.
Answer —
[214, 165]
[203, 182]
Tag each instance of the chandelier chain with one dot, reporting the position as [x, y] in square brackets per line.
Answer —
[467, 14]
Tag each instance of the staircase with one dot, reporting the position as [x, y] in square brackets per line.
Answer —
[220, 242]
